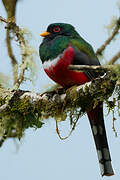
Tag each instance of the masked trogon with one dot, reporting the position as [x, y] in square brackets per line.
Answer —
[63, 46]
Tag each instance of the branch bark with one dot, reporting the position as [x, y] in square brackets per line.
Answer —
[10, 7]
[23, 109]
[26, 52]
[107, 42]
[114, 58]
[104, 68]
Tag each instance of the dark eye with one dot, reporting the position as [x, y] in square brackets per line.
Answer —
[56, 29]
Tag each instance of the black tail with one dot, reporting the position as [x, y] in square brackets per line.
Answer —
[99, 133]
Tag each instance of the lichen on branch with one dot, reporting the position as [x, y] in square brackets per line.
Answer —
[23, 109]
[27, 52]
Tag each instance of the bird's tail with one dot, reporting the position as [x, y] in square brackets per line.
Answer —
[99, 133]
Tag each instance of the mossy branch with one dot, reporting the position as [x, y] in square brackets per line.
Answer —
[23, 109]
[10, 7]
[104, 68]
[26, 50]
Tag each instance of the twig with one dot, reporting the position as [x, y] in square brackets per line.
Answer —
[114, 33]
[11, 25]
[12, 57]
[114, 58]
[10, 7]
[71, 131]
[3, 19]
[113, 123]
[103, 68]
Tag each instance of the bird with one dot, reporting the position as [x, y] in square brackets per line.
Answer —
[63, 46]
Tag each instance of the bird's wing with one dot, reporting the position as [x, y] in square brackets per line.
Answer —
[84, 55]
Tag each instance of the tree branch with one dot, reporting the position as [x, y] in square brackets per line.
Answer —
[114, 58]
[23, 109]
[12, 57]
[10, 7]
[104, 68]
[107, 42]
[26, 52]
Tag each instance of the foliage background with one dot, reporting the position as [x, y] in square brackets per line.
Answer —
[41, 154]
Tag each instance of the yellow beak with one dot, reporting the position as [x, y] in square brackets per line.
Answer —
[45, 34]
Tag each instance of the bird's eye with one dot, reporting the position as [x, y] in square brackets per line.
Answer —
[56, 29]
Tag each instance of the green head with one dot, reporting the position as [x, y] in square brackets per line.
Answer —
[56, 39]
[60, 29]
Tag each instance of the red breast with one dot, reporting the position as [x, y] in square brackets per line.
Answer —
[58, 70]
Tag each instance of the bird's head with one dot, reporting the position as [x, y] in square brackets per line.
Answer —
[59, 29]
